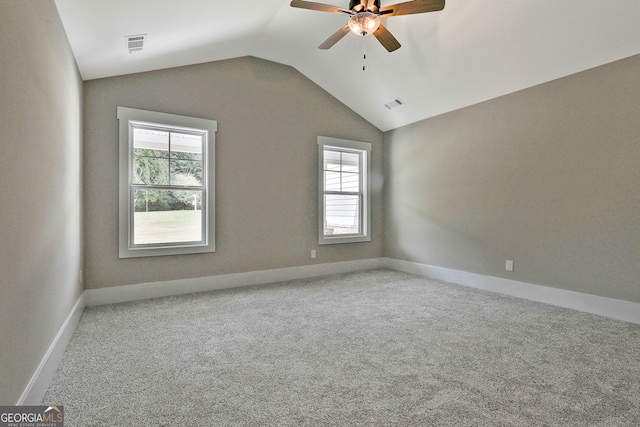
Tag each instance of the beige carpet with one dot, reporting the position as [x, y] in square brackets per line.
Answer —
[363, 349]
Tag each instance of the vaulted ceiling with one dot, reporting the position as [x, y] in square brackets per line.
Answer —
[471, 51]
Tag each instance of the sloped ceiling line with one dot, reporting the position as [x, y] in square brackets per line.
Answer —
[471, 51]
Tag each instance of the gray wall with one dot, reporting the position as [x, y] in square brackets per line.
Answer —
[269, 116]
[40, 178]
[548, 177]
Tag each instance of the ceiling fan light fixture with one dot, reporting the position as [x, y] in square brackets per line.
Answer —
[364, 23]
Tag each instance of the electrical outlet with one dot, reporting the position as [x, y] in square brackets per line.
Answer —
[509, 265]
[313, 253]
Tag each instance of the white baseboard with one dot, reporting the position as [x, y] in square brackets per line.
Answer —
[37, 387]
[40, 380]
[608, 307]
[210, 283]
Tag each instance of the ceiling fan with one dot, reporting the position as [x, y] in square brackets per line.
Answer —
[365, 18]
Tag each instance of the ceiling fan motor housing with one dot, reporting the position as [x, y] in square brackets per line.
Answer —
[354, 3]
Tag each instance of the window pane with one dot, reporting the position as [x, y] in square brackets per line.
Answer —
[150, 170]
[167, 216]
[342, 214]
[331, 160]
[350, 162]
[186, 172]
[156, 141]
[150, 156]
[186, 146]
[331, 181]
[350, 182]
[181, 155]
[147, 152]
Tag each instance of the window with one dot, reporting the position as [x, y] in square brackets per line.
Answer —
[166, 183]
[344, 212]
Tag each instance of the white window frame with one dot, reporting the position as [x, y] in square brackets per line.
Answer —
[129, 118]
[364, 150]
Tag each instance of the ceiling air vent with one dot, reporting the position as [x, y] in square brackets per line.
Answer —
[395, 103]
[135, 43]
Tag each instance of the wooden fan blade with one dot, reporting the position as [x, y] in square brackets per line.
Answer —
[386, 38]
[335, 37]
[369, 5]
[410, 7]
[319, 6]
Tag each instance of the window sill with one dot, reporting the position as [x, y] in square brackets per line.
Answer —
[326, 240]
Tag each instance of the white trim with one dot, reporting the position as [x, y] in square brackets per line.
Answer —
[609, 307]
[330, 141]
[208, 128]
[41, 378]
[149, 290]
[364, 150]
[36, 388]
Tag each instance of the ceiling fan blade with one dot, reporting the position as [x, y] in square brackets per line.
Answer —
[410, 7]
[319, 6]
[386, 38]
[335, 37]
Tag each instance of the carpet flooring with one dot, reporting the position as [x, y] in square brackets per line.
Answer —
[372, 348]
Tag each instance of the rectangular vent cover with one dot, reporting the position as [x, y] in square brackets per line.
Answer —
[135, 43]
[395, 103]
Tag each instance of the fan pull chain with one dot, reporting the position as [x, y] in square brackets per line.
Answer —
[364, 54]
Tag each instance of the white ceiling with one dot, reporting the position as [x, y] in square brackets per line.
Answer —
[471, 51]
